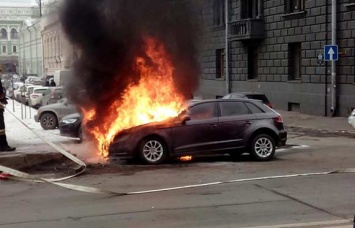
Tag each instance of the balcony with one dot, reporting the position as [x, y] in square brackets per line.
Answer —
[247, 29]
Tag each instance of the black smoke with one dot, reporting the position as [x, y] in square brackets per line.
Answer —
[108, 35]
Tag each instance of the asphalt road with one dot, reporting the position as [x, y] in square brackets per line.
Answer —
[307, 201]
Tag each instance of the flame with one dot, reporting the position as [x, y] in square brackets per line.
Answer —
[153, 99]
[186, 158]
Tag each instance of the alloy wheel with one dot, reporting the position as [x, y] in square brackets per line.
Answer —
[263, 147]
[153, 151]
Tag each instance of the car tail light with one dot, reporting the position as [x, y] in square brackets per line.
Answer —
[278, 119]
[269, 104]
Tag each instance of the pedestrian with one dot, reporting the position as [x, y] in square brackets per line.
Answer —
[53, 83]
[3, 142]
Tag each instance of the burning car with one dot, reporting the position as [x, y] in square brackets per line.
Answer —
[235, 126]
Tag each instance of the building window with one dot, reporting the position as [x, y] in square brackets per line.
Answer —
[295, 61]
[220, 58]
[14, 34]
[292, 6]
[249, 9]
[252, 63]
[14, 49]
[218, 12]
[3, 33]
[4, 49]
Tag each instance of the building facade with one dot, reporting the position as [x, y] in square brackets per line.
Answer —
[57, 51]
[273, 48]
[11, 19]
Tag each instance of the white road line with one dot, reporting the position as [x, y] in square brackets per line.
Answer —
[292, 147]
[343, 224]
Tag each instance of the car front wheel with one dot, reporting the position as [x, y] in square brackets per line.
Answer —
[48, 121]
[153, 151]
[263, 147]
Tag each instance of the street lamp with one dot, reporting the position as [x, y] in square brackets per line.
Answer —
[39, 2]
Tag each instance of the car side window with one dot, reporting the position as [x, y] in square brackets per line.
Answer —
[202, 111]
[233, 108]
[253, 108]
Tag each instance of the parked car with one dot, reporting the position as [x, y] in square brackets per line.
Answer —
[28, 92]
[235, 126]
[351, 119]
[50, 115]
[249, 95]
[70, 126]
[19, 91]
[35, 100]
[52, 95]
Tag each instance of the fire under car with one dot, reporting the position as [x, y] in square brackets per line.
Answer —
[233, 126]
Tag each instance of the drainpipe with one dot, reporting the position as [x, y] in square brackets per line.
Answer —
[333, 109]
[226, 52]
[30, 45]
[37, 59]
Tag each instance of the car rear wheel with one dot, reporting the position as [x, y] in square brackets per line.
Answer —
[263, 147]
[153, 151]
[48, 121]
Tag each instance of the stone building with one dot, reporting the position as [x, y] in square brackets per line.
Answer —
[273, 47]
[57, 51]
[30, 55]
[11, 19]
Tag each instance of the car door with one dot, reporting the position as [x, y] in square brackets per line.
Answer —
[198, 134]
[235, 124]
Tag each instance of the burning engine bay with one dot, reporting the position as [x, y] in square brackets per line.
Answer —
[136, 60]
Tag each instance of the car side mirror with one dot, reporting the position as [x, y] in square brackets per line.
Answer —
[185, 118]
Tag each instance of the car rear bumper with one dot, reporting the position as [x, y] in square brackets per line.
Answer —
[282, 138]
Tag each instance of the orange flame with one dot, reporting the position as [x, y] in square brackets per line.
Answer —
[153, 99]
[186, 158]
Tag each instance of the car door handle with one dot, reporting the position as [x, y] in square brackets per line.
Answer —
[247, 123]
[213, 125]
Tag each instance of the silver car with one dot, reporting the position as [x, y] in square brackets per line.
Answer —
[50, 115]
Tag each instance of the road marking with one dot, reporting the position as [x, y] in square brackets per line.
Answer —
[328, 224]
[292, 147]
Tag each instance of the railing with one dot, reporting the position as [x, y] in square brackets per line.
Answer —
[247, 29]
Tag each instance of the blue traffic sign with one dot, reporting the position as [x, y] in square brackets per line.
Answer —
[331, 53]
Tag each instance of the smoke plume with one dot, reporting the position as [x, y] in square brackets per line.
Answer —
[109, 34]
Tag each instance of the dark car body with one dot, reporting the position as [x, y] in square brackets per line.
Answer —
[249, 95]
[212, 126]
[70, 125]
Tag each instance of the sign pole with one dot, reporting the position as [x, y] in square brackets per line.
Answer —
[334, 73]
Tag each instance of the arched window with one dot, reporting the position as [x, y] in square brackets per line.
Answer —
[3, 33]
[14, 34]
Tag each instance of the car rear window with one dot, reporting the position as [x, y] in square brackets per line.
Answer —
[233, 108]
[41, 91]
[258, 97]
[253, 108]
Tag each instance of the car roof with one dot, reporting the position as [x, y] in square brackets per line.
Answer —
[220, 100]
[248, 93]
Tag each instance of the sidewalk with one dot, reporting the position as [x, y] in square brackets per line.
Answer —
[336, 126]
[30, 149]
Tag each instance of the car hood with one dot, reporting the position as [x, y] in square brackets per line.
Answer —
[72, 116]
[51, 106]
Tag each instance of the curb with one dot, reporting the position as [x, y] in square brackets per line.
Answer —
[21, 161]
[321, 132]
